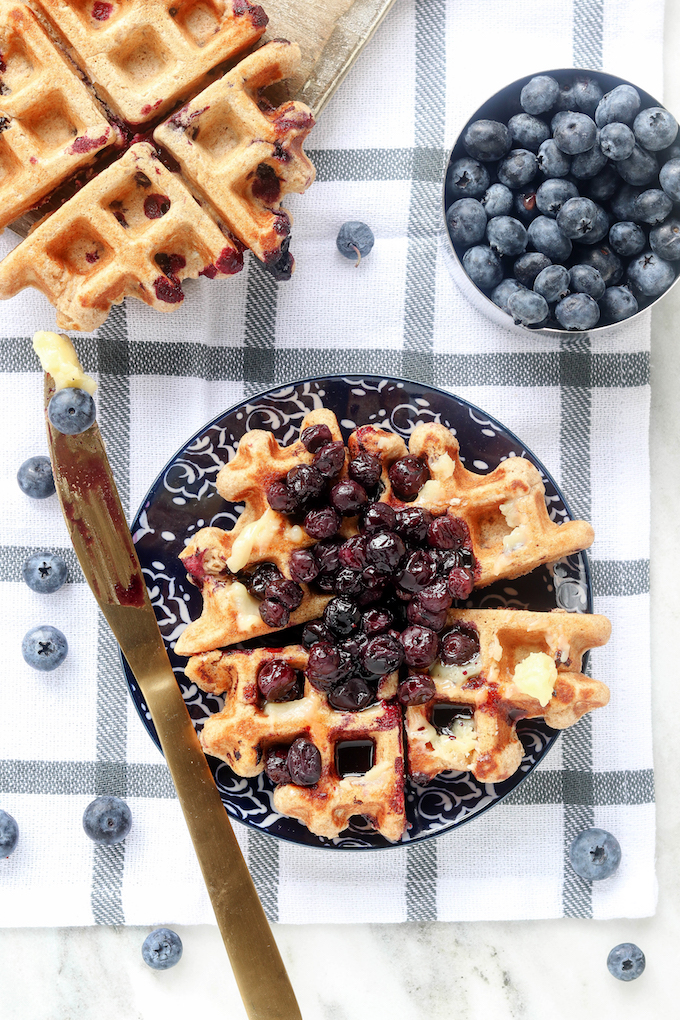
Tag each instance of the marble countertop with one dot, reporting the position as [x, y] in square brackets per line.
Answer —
[422, 971]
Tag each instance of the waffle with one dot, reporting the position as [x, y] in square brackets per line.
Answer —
[133, 230]
[143, 56]
[242, 155]
[213, 556]
[480, 736]
[243, 731]
[50, 125]
[505, 511]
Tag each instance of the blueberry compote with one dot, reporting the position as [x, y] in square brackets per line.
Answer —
[392, 574]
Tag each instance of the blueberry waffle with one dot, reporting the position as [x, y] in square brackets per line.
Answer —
[328, 761]
[133, 230]
[494, 667]
[63, 123]
[460, 529]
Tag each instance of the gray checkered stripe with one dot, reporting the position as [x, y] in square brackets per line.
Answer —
[575, 369]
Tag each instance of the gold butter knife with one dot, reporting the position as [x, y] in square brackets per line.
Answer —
[102, 541]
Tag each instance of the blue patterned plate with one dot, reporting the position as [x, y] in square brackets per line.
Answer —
[183, 499]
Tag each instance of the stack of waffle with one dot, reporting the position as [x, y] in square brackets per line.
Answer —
[490, 668]
[79, 85]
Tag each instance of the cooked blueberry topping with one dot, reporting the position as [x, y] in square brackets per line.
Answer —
[302, 565]
[305, 482]
[322, 523]
[289, 593]
[351, 695]
[276, 764]
[281, 498]
[384, 551]
[418, 613]
[416, 689]
[420, 646]
[316, 436]
[348, 497]
[325, 665]
[276, 680]
[260, 578]
[342, 616]
[352, 553]
[274, 613]
[378, 517]
[315, 630]
[383, 655]
[419, 570]
[365, 469]
[376, 621]
[448, 533]
[304, 762]
[330, 459]
[407, 476]
[459, 645]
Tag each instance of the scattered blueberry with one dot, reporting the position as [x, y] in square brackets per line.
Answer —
[577, 311]
[35, 478]
[44, 648]
[162, 949]
[107, 820]
[626, 961]
[71, 410]
[595, 854]
[44, 572]
[355, 240]
[9, 834]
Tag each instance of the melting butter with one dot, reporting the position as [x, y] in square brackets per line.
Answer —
[259, 533]
[457, 674]
[536, 676]
[58, 357]
[247, 608]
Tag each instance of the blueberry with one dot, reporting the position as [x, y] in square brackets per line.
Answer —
[467, 178]
[641, 167]
[44, 572]
[552, 283]
[602, 258]
[604, 185]
[518, 168]
[497, 200]
[487, 140]
[506, 235]
[354, 240]
[583, 220]
[162, 949]
[304, 762]
[71, 410]
[553, 193]
[574, 133]
[619, 105]
[107, 820]
[35, 478]
[566, 99]
[524, 206]
[539, 94]
[655, 128]
[652, 206]
[617, 304]
[577, 311]
[528, 308]
[586, 280]
[664, 240]
[527, 267]
[44, 648]
[501, 293]
[545, 236]
[623, 202]
[587, 94]
[588, 164]
[669, 179]
[9, 834]
[528, 132]
[552, 161]
[626, 961]
[627, 238]
[483, 266]
[617, 141]
[466, 220]
[650, 275]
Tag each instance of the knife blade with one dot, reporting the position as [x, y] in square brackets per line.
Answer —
[103, 544]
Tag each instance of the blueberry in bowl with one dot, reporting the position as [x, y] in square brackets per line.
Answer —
[561, 203]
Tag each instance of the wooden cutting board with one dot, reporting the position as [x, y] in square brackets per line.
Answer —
[331, 35]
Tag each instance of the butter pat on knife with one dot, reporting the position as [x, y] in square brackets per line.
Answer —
[58, 357]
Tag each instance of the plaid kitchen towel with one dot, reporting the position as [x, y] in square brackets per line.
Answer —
[580, 405]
